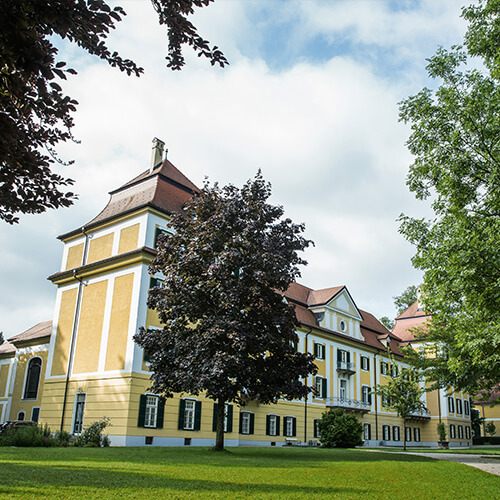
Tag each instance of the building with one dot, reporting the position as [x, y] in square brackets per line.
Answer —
[89, 366]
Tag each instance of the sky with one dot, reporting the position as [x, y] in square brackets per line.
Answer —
[310, 97]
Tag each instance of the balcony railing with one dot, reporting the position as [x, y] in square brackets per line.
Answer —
[346, 367]
[351, 404]
[420, 414]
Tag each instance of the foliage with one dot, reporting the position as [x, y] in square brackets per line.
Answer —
[36, 114]
[454, 140]
[2, 340]
[92, 437]
[62, 437]
[27, 436]
[490, 428]
[406, 299]
[441, 431]
[387, 322]
[339, 429]
[476, 421]
[402, 393]
[227, 329]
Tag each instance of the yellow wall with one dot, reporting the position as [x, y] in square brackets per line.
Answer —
[100, 248]
[64, 331]
[90, 328]
[129, 238]
[118, 329]
[75, 256]
[4, 373]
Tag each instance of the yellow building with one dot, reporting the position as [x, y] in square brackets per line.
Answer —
[92, 368]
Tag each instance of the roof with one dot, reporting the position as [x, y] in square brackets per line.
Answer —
[164, 188]
[412, 312]
[408, 321]
[308, 296]
[7, 348]
[40, 330]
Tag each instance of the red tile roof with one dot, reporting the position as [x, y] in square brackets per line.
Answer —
[40, 330]
[409, 321]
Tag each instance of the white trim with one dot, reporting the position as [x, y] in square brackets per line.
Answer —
[73, 417]
[26, 376]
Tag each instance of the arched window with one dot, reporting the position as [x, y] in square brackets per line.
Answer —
[21, 415]
[33, 378]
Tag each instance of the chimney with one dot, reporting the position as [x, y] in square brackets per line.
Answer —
[156, 153]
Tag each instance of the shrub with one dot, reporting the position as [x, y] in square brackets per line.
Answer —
[92, 435]
[441, 430]
[340, 429]
[33, 435]
[62, 438]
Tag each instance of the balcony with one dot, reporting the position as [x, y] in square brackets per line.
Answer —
[420, 415]
[346, 368]
[348, 404]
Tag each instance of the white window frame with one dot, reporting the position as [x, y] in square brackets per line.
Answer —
[189, 413]
[364, 363]
[343, 356]
[384, 367]
[408, 434]
[467, 432]
[466, 408]
[321, 350]
[23, 413]
[458, 406]
[288, 426]
[245, 422]
[32, 410]
[24, 398]
[151, 411]
[416, 434]
[366, 431]
[386, 432]
[460, 429]
[396, 436]
[273, 419]
[365, 394]
[453, 433]
[80, 402]
[451, 404]
[343, 388]
[318, 384]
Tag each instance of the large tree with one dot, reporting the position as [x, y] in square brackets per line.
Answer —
[402, 393]
[455, 140]
[35, 114]
[228, 332]
[401, 302]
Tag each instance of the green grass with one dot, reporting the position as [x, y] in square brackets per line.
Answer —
[473, 450]
[283, 473]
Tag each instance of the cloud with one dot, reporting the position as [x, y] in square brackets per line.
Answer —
[325, 133]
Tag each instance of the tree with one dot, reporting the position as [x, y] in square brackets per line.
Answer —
[2, 340]
[387, 322]
[228, 332]
[340, 429]
[35, 114]
[454, 139]
[406, 299]
[402, 393]
[490, 428]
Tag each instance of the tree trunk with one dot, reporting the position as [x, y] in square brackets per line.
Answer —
[404, 434]
[219, 433]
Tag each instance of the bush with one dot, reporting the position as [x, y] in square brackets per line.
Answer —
[62, 438]
[441, 430]
[340, 429]
[34, 435]
[92, 435]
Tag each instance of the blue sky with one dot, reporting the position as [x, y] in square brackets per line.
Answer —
[310, 97]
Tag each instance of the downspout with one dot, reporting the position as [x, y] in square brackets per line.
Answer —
[75, 326]
[376, 398]
[307, 395]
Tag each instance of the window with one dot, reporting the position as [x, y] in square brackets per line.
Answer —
[343, 388]
[416, 434]
[408, 433]
[395, 433]
[394, 371]
[385, 402]
[367, 432]
[78, 412]
[365, 363]
[384, 368]
[159, 231]
[320, 386]
[151, 410]
[343, 326]
[386, 432]
[452, 431]
[189, 415]
[466, 407]
[451, 406]
[366, 397]
[273, 425]
[35, 414]
[21, 415]
[460, 432]
[319, 351]
[290, 426]
[246, 422]
[459, 406]
[317, 433]
[228, 418]
[467, 432]
[32, 378]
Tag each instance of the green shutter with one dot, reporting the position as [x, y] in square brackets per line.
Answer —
[197, 415]
[369, 431]
[315, 427]
[323, 388]
[161, 413]
[241, 423]
[229, 418]
[252, 420]
[348, 357]
[158, 231]
[142, 410]
[339, 355]
[268, 417]
[369, 395]
[153, 282]
[182, 407]
[214, 418]
[277, 426]
[367, 363]
[294, 427]
[315, 350]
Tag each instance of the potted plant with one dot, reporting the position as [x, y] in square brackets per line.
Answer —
[441, 430]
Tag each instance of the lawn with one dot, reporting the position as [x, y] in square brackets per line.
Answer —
[242, 472]
[473, 450]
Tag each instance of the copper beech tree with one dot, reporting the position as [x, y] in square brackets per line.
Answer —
[228, 331]
[35, 113]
